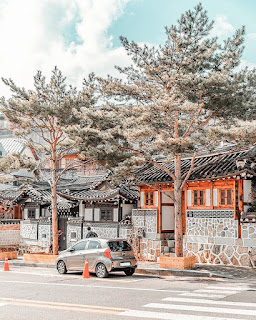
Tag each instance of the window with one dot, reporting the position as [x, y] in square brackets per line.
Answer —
[225, 197]
[106, 214]
[73, 235]
[94, 244]
[31, 213]
[79, 246]
[149, 198]
[116, 246]
[198, 198]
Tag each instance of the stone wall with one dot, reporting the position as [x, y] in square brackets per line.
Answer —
[35, 236]
[145, 223]
[125, 231]
[146, 249]
[74, 233]
[103, 230]
[212, 236]
[44, 234]
[9, 235]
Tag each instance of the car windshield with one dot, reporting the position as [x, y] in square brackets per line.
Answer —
[119, 246]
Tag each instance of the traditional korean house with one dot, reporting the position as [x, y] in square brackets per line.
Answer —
[218, 221]
[102, 206]
[81, 201]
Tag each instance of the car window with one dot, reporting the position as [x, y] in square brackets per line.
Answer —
[79, 246]
[94, 244]
[119, 246]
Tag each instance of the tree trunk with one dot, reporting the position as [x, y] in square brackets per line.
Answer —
[178, 209]
[54, 205]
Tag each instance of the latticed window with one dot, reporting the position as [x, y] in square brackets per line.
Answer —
[198, 198]
[226, 197]
[149, 198]
[106, 214]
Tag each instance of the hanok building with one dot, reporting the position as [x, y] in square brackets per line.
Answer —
[81, 202]
[218, 221]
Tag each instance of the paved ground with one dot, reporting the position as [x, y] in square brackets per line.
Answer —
[153, 268]
[41, 294]
[207, 270]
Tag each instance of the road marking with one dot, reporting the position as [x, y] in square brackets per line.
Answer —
[239, 288]
[204, 295]
[168, 316]
[204, 301]
[216, 291]
[65, 306]
[3, 304]
[92, 286]
[201, 309]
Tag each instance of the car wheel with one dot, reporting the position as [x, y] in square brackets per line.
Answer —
[61, 267]
[129, 272]
[101, 271]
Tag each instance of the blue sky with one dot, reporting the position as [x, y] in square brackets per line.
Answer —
[82, 36]
[144, 20]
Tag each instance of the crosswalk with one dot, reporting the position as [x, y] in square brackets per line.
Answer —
[199, 304]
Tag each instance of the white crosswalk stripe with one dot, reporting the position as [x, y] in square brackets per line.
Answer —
[168, 316]
[216, 302]
[203, 295]
[217, 291]
[199, 308]
[202, 307]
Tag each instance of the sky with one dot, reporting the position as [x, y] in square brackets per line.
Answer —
[82, 36]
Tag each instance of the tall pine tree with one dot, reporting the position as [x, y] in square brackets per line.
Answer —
[41, 117]
[179, 98]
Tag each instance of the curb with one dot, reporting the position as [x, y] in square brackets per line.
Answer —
[145, 271]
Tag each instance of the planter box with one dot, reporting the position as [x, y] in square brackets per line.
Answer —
[179, 263]
[8, 254]
[39, 258]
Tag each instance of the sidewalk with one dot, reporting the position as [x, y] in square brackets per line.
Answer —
[153, 268]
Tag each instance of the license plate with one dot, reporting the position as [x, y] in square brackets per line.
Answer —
[125, 264]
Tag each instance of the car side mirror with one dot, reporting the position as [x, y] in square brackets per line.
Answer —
[71, 249]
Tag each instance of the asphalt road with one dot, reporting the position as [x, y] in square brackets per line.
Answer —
[41, 293]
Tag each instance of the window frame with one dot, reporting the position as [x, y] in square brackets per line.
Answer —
[225, 205]
[107, 209]
[198, 204]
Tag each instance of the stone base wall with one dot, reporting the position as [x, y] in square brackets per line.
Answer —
[103, 230]
[125, 231]
[35, 236]
[9, 235]
[74, 233]
[145, 223]
[212, 237]
[146, 249]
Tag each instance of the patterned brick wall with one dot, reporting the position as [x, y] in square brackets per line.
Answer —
[9, 235]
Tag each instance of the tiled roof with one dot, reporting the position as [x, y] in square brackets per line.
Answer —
[12, 145]
[211, 166]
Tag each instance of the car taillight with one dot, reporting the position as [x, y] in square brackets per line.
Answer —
[107, 253]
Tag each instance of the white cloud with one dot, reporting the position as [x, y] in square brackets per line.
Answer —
[221, 26]
[245, 63]
[251, 36]
[36, 35]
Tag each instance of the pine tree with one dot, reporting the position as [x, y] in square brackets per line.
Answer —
[179, 98]
[41, 117]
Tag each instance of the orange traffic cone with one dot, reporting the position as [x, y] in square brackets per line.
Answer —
[6, 265]
[86, 270]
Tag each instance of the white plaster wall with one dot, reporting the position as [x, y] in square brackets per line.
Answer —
[127, 209]
[88, 214]
[97, 214]
[167, 197]
[247, 190]
[115, 214]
